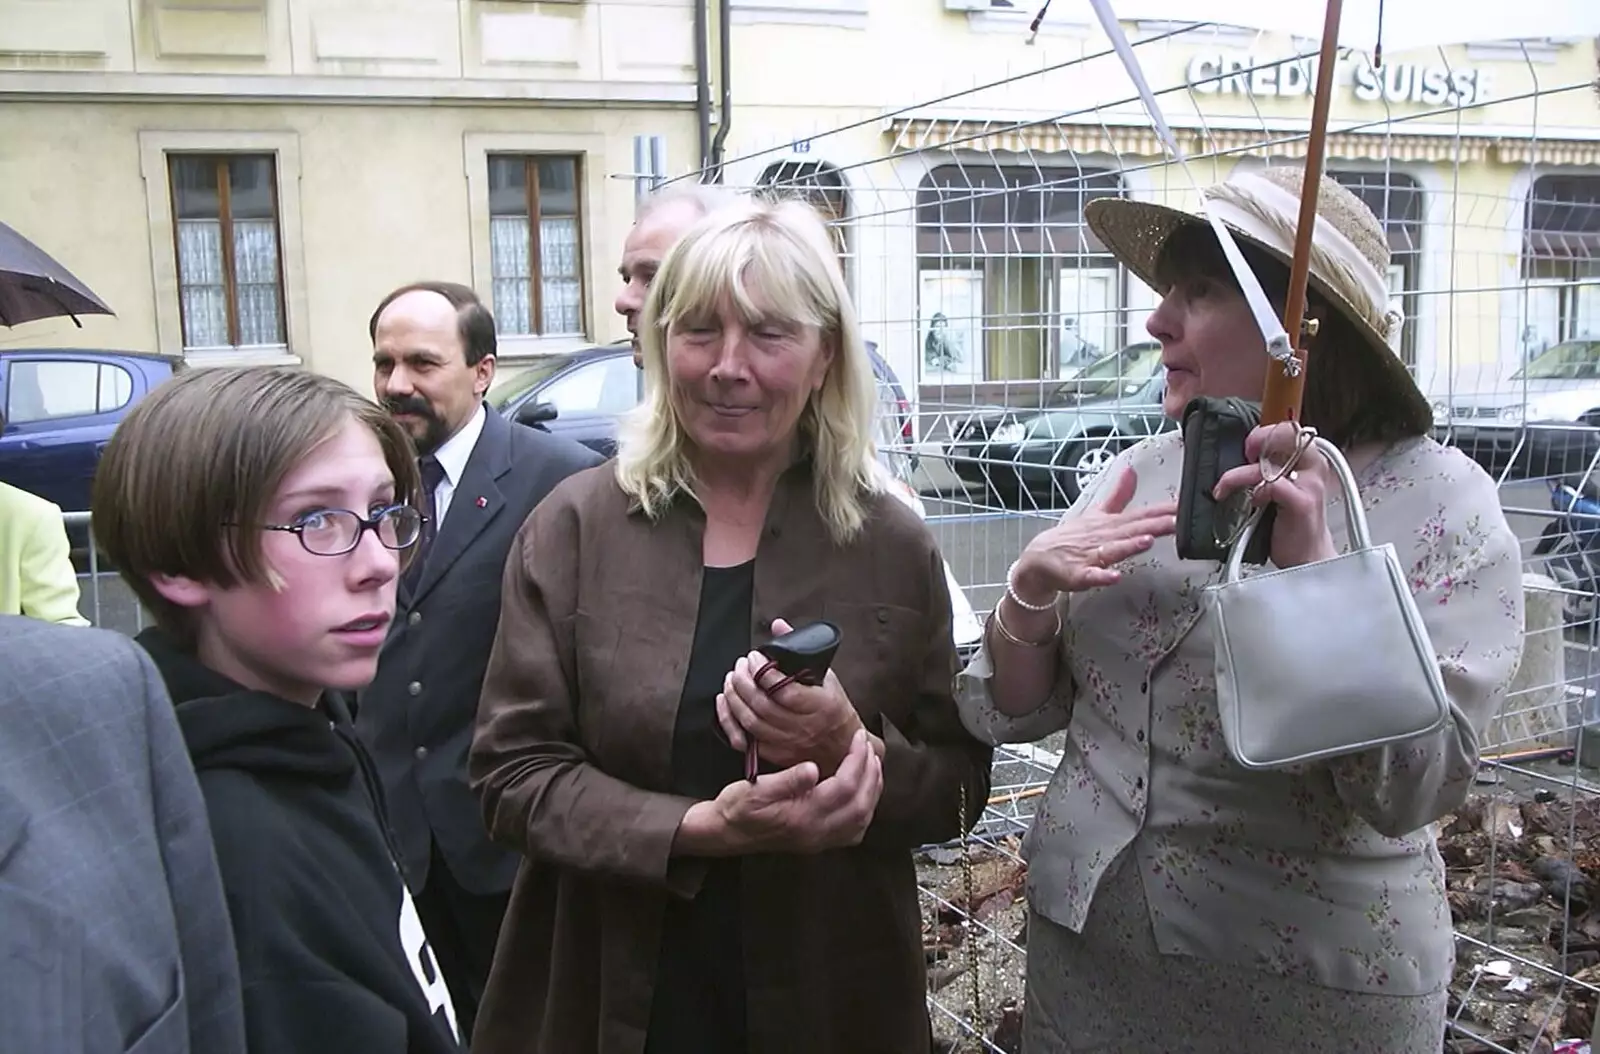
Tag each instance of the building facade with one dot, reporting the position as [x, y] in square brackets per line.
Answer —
[958, 179]
[242, 180]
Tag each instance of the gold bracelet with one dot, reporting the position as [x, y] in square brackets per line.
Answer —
[1000, 625]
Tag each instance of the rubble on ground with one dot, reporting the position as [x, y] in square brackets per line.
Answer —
[991, 994]
[1522, 879]
[1522, 875]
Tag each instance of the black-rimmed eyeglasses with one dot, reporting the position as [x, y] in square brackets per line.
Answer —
[334, 532]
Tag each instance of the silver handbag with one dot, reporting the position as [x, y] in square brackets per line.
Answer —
[1362, 673]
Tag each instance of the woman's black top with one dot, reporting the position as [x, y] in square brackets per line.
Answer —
[699, 1001]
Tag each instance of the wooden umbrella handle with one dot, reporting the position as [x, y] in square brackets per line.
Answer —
[1285, 388]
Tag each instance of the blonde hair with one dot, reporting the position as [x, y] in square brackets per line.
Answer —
[768, 261]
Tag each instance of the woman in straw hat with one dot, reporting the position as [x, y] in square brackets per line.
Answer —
[1262, 910]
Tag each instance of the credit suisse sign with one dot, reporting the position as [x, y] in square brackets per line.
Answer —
[1233, 73]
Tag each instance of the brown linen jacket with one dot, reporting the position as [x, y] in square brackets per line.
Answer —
[573, 752]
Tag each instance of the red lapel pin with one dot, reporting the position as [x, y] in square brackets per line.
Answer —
[483, 503]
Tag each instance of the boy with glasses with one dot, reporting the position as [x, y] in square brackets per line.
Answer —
[262, 516]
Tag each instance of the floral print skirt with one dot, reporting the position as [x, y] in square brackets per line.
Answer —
[1110, 990]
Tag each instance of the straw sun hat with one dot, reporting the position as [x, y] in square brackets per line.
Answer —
[1349, 253]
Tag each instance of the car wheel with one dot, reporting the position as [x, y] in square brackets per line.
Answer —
[1080, 464]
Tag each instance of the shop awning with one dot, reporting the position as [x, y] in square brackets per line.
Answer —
[912, 135]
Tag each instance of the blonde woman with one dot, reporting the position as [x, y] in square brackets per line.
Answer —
[667, 904]
[1297, 909]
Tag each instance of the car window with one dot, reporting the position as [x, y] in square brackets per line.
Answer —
[1573, 360]
[604, 386]
[42, 389]
[1117, 375]
[506, 392]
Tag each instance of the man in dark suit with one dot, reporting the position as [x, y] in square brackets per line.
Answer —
[114, 933]
[434, 359]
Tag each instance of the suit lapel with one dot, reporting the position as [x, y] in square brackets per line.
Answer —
[474, 504]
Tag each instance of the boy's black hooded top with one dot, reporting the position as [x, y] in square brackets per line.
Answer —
[330, 949]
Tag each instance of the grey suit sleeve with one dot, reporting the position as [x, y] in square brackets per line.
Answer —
[205, 934]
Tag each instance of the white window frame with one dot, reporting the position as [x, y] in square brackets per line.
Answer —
[1135, 186]
[284, 147]
[1535, 294]
[1513, 298]
[1586, 309]
[1104, 319]
[841, 14]
[969, 286]
[594, 163]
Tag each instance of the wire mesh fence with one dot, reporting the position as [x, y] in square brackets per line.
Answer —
[1031, 361]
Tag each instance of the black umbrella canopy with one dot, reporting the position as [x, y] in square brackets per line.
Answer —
[34, 286]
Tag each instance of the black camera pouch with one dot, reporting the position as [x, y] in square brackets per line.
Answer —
[1214, 431]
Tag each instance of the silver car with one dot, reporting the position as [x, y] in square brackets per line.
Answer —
[1544, 420]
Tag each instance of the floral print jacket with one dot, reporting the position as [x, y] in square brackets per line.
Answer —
[1327, 872]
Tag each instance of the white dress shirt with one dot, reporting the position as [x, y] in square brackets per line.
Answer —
[452, 456]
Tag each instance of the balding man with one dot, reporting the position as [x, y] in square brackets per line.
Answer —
[661, 219]
[433, 355]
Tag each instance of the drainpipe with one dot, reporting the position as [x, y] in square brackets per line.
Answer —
[702, 81]
[725, 73]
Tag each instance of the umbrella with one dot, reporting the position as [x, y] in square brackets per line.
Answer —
[34, 286]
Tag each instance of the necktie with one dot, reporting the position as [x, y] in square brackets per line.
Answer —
[432, 476]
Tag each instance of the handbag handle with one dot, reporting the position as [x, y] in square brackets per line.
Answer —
[1355, 517]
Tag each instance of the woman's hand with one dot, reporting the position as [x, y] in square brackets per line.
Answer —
[1300, 530]
[1081, 552]
[797, 723]
[792, 811]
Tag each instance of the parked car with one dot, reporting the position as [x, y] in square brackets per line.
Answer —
[576, 394]
[1545, 417]
[580, 394]
[61, 406]
[1049, 455]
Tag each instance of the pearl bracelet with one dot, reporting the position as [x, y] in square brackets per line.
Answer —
[1011, 591]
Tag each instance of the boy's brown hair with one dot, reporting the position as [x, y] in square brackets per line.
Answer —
[211, 447]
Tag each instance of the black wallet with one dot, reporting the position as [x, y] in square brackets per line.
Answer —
[1214, 431]
[803, 654]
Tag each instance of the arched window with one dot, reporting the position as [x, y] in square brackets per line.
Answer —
[1560, 263]
[820, 184]
[1396, 199]
[1012, 284]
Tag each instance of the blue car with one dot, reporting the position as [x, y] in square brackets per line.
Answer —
[580, 394]
[60, 406]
